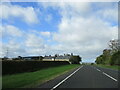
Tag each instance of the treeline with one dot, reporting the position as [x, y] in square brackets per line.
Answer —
[110, 56]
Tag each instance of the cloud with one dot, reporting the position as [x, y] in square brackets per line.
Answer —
[9, 30]
[27, 14]
[81, 31]
[34, 44]
[78, 29]
[74, 8]
[110, 14]
[46, 34]
[33, 41]
[19, 43]
[13, 48]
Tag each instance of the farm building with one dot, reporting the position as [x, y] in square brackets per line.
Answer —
[28, 58]
[62, 58]
[49, 58]
[32, 58]
[58, 58]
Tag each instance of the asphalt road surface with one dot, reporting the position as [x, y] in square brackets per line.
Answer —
[86, 76]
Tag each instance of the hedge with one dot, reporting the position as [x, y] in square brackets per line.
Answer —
[13, 67]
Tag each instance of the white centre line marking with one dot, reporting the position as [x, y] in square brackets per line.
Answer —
[65, 79]
[98, 70]
[110, 76]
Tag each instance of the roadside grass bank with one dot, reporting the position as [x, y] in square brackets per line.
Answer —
[114, 67]
[33, 79]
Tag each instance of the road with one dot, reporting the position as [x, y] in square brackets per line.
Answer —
[86, 76]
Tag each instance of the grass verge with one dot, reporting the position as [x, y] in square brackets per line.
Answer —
[114, 67]
[32, 79]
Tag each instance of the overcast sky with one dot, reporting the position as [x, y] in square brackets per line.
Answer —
[56, 28]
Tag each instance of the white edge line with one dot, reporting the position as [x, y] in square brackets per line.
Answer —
[65, 78]
[110, 76]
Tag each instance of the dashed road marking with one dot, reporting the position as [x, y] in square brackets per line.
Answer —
[110, 76]
[107, 75]
[98, 70]
[65, 79]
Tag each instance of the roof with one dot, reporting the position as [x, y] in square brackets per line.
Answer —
[58, 57]
[48, 57]
[32, 57]
[63, 57]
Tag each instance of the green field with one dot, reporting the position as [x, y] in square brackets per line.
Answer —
[33, 79]
[115, 67]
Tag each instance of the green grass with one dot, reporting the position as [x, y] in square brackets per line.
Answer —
[114, 67]
[32, 79]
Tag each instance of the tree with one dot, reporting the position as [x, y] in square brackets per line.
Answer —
[40, 58]
[115, 60]
[99, 59]
[55, 56]
[71, 54]
[110, 56]
[113, 44]
[105, 57]
[5, 58]
[19, 58]
[92, 63]
[75, 59]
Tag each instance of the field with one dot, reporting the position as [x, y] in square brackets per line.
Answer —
[32, 79]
